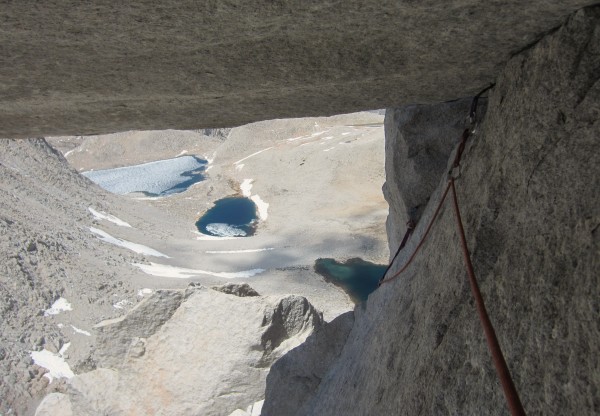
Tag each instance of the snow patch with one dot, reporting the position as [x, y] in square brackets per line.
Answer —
[246, 186]
[121, 304]
[55, 363]
[252, 155]
[262, 206]
[163, 270]
[239, 167]
[293, 139]
[254, 409]
[254, 250]
[60, 305]
[108, 217]
[327, 150]
[81, 331]
[138, 248]
[206, 237]
[183, 152]
[143, 292]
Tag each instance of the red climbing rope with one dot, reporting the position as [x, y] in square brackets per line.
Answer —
[508, 386]
[510, 392]
[437, 211]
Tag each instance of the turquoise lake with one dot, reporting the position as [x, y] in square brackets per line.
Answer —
[357, 277]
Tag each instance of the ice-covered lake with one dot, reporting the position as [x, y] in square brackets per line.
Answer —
[160, 178]
[229, 217]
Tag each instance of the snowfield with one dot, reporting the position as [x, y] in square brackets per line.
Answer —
[138, 248]
[162, 177]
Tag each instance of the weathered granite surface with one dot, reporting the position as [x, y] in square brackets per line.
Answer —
[295, 377]
[68, 67]
[418, 141]
[527, 191]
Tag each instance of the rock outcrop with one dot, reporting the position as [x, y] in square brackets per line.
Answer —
[527, 196]
[194, 351]
[295, 377]
[419, 140]
[69, 68]
[237, 289]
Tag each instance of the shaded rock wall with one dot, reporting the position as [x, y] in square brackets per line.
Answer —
[531, 213]
[68, 68]
[295, 378]
[418, 142]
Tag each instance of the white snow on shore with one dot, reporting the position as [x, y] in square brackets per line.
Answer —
[153, 177]
[206, 237]
[55, 363]
[246, 186]
[138, 248]
[60, 305]
[254, 250]
[262, 206]
[252, 155]
[163, 270]
[108, 217]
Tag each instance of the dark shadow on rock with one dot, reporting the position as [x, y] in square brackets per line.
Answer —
[295, 377]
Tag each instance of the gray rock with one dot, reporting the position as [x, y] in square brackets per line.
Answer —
[294, 378]
[117, 338]
[237, 289]
[291, 316]
[68, 69]
[206, 359]
[527, 196]
[418, 143]
[55, 404]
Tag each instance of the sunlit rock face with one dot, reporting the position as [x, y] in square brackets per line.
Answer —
[532, 220]
[72, 68]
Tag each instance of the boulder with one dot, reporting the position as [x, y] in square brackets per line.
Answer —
[294, 378]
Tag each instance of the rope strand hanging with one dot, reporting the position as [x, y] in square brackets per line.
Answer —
[510, 392]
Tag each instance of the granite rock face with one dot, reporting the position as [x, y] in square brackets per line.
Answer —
[532, 217]
[69, 68]
[203, 356]
[295, 377]
[418, 142]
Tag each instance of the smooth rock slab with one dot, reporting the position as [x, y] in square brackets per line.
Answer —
[69, 68]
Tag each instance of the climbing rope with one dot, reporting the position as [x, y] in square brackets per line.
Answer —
[508, 387]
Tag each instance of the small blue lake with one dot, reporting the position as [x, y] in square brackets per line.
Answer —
[357, 277]
[160, 178]
[229, 217]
